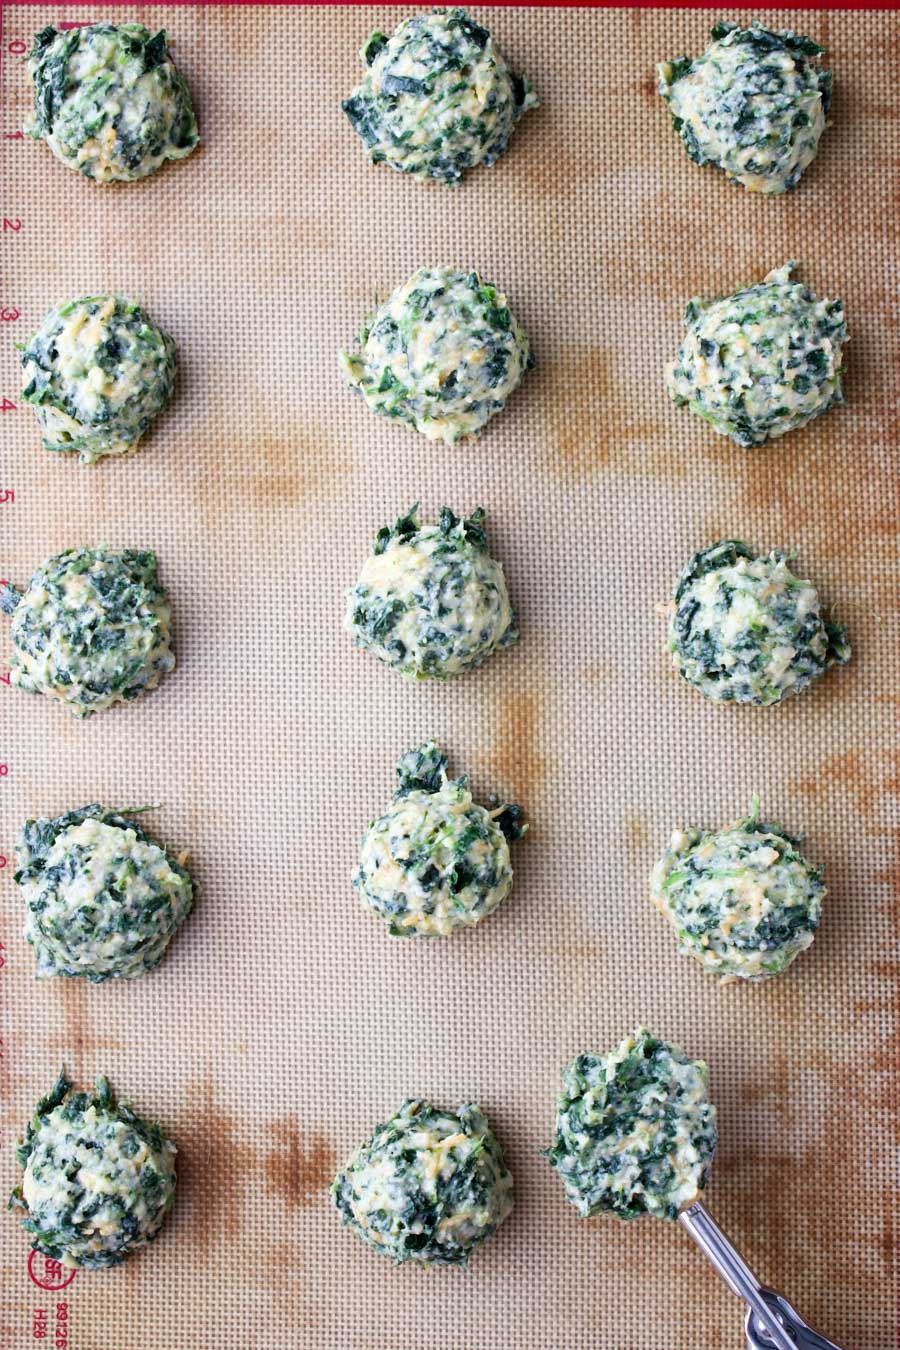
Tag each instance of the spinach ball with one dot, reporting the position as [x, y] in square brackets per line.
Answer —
[103, 899]
[437, 97]
[429, 1186]
[435, 861]
[430, 600]
[442, 354]
[97, 372]
[761, 362]
[98, 1180]
[109, 102]
[744, 629]
[92, 629]
[753, 104]
[743, 901]
[635, 1132]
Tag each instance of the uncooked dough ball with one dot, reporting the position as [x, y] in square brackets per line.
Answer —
[761, 362]
[91, 630]
[98, 1180]
[635, 1133]
[744, 902]
[746, 630]
[436, 861]
[754, 104]
[430, 600]
[429, 1186]
[109, 101]
[97, 372]
[437, 97]
[103, 900]
[442, 354]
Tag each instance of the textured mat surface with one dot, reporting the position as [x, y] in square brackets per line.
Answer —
[284, 1022]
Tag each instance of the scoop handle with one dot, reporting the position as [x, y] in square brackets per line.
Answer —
[740, 1279]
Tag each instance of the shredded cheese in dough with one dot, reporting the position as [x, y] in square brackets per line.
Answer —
[430, 600]
[97, 372]
[98, 1181]
[437, 97]
[761, 362]
[429, 1186]
[102, 899]
[442, 354]
[635, 1132]
[109, 101]
[743, 902]
[754, 104]
[435, 861]
[746, 630]
[91, 630]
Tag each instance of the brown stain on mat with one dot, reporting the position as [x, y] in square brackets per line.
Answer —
[870, 778]
[778, 1196]
[215, 1167]
[806, 481]
[308, 463]
[77, 1040]
[820, 1120]
[886, 302]
[889, 875]
[887, 111]
[514, 760]
[856, 771]
[599, 674]
[581, 960]
[593, 423]
[870, 1085]
[647, 89]
[298, 1170]
[635, 834]
[775, 1088]
[766, 1204]
[639, 452]
[577, 418]
[852, 1163]
[558, 165]
[578, 951]
[281, 471]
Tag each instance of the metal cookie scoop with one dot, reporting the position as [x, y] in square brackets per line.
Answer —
[771, 1321]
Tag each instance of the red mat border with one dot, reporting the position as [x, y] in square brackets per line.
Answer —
[718, 5]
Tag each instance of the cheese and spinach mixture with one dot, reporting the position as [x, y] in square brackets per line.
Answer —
[635, 1133]
[430, 600]
[746, 630]
[102, 899]
[754, 104]
[436, 861]
[98, 1180]
[91, 630]
[761, 362]
[743, 902]
[109, 101]
[97, 372]
[442, 354]
[429, 1186]
[437, 97]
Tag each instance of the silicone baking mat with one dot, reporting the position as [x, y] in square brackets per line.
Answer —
[285, 1023]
